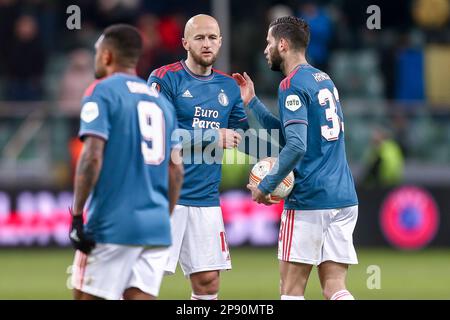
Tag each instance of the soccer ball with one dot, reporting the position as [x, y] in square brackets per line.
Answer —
[262, 168]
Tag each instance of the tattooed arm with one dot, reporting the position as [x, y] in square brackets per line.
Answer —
[87, 172]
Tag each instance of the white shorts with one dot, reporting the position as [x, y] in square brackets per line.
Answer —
[315, 236]
[110, 269]
[198, 240]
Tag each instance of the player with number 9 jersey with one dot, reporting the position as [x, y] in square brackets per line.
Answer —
[129, 204]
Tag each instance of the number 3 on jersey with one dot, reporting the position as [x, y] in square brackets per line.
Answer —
[325, 96]
[151, 125]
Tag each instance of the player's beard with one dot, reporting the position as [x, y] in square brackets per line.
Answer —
[275, 60]
[100, 73]
[202, 61]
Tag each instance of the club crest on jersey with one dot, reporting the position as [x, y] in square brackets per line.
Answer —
[89, 112]
[293, 102]
[223, 98]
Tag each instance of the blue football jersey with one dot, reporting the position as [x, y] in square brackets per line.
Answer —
[129, 204]
[323, 179]
[202, 103]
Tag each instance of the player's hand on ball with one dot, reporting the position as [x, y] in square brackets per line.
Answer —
[260, 197]
[229, 139]
[246, 85]
[80, 240]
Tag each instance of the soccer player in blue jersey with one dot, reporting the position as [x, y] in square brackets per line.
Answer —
[206, 100]
[320, 213]
[131, 170]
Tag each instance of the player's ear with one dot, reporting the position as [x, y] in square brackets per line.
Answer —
[220, 41]
[283, 45]
[107, 57]
[185, 44]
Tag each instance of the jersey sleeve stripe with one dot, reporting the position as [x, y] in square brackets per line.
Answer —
[295, 121]
[166, 70]
[286, 83]
[174, 67]
[283, 84]
[158, 72]
[93, 133]
[163, 73]
[91, 88]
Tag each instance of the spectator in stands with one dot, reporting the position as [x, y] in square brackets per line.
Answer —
[171, 28]
[76, 78]
[151, 52]
[321, 28]
[25, 62]
[9, 11]
[384, 161]
[409, 75]
[162, 43]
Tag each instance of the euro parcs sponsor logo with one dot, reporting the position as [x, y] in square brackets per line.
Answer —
[409, 218]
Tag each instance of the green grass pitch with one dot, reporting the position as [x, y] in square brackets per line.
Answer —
[43, 274]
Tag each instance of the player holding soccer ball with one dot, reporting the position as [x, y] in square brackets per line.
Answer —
[321, 211]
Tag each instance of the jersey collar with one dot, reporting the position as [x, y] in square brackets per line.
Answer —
[297, 67]
[195, 76]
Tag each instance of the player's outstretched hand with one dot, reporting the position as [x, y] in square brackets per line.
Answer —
[246, 85]
[229, 139]
[80, 240]
[260, 197]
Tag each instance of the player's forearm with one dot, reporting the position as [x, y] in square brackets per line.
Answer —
[288, 159]
[241, 124]
[263, 115]
[176, 173]
[86, 176]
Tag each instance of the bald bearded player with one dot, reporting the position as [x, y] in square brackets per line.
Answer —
[205, 100]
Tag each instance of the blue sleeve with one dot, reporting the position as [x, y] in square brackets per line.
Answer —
[263, 115]
[293, 103]
[290, 155]
[174, 137]
[162, 85]
[95, 113]
[238, 117]
[268, 121]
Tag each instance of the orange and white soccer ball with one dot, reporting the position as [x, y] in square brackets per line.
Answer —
[262, 168]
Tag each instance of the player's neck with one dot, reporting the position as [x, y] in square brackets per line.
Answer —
[290, 63]
[125, 70]
[196, 68]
